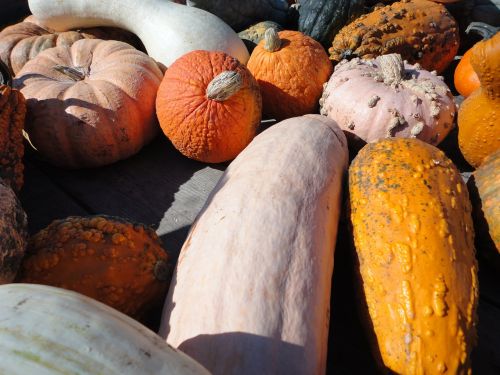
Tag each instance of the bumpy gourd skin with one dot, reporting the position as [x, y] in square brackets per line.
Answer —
[414, 239]
[479, 114]
[13, 233]
[291, 79]
[420, 31]
[12, 117]
[241, 14]
[109, 259]
[201, 128]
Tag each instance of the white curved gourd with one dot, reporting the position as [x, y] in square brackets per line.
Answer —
[46, 330]
[251, 291]
[167, 30]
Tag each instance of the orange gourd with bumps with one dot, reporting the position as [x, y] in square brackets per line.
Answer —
[414, 239]
[209, 106]
[109, 259]
[479, 114]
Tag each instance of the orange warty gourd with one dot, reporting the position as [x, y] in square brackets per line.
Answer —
[291, 69]
[12, 116]
[420, 31]
[209, 106]
[465, 78]
[13, 233]
[414, 239]
[106, 258]
[479, 114]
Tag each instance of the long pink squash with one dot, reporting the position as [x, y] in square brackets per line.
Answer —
[251, 292]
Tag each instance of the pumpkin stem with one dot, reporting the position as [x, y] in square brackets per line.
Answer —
[5, 76]
[76, 74]
[272, 41]
[223, 86]
[393, 69]
[486, 31]
[161, 271]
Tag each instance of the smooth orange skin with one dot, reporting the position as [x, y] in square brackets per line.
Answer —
[414, 239]
[420, 31]
[105, 258]
[291, 79]
[12, 117]
[465, 78]
[201, 128]
[479, 114]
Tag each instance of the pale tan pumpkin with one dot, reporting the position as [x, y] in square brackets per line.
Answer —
[22, 41]
[90, 104]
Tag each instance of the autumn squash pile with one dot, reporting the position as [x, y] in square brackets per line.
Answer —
[363, 118]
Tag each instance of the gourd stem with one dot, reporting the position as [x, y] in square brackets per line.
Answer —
[392, 67]
[76, 74]
[161, 270]
[486, 31]
[223, 86]
[272, 41]
[5, 76]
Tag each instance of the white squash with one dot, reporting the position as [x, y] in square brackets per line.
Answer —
[46, 330]
[251, 291]
[167, 30]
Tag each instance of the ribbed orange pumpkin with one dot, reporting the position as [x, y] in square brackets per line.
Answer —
[479, 114]
[291, 69]
[209, 106]
[109, 259]
[413, 232]
[90, 104]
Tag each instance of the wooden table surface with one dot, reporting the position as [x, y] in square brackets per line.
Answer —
[161, 188]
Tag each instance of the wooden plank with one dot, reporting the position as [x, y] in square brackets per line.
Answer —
[43, 200]
[158, 187]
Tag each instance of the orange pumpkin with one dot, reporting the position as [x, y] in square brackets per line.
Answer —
[479, 114]
[291, 69]
[90, 104]
[209, 106]
[465, 78]
[109, 259]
